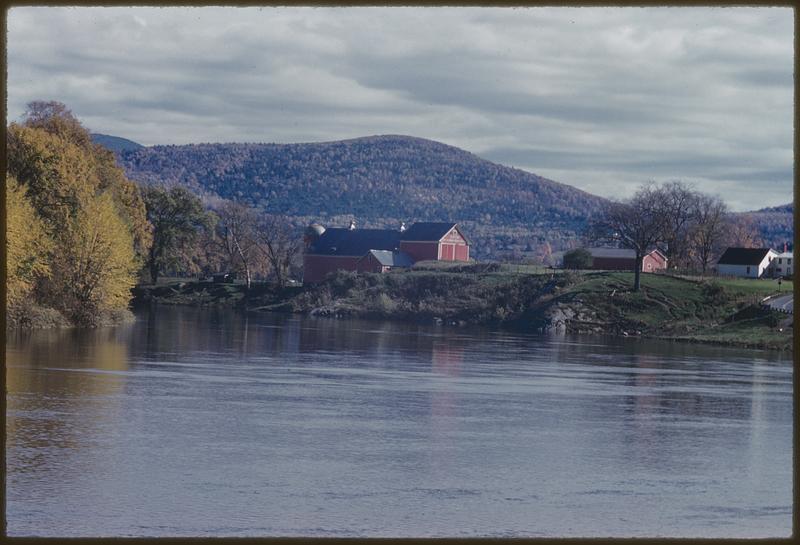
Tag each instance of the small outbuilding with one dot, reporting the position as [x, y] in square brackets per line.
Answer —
[383, 261]
[624, 259]
[745, 262]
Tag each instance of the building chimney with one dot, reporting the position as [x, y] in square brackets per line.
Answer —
[402, 226]
[785, 247]
[352, 224]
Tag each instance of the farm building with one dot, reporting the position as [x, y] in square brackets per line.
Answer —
[781, 265]
[624, 259]
[747, 262]
[379, 250]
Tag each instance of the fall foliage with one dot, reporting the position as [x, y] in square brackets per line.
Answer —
[28, 244]
[95, 267]
[77, 226]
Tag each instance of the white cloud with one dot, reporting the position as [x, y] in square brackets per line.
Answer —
[601, 98]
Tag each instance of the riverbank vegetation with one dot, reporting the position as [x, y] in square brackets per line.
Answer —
[76, 226]
[696, 309]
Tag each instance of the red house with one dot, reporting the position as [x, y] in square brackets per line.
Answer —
[379, 250]
[623, 259]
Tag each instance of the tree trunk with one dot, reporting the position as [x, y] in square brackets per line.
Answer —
[154, 273]
[278, 274]
[244, 261]
[247, 274]
[637, 278]
[152, 265]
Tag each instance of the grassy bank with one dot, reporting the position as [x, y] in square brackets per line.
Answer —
[725, 311]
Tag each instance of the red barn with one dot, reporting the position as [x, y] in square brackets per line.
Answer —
[623, 259]
[379, 250]
[437, 241]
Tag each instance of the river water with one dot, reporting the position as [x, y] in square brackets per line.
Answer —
[209, 423]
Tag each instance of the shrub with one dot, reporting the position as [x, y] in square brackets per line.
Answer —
[579, 258]
[772, 320]
[714, 292]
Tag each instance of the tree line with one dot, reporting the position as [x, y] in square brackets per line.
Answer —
[690, 227]
[193, 238]
[80, 234]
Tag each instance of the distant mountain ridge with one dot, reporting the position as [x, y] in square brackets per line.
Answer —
[115, 143]
[379, 181]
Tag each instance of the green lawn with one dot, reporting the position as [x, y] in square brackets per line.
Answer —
[759, 286]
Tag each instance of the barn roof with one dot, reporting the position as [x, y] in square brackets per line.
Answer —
[354, 242]
[392, 259]
[743, 256]
[620, 253]
[357, 242]
[428, 230]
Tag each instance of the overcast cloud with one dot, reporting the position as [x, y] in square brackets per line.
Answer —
[600, 98]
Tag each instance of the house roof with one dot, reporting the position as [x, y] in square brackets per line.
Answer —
[392, 259]
[620, 253]
[354, 242]
[428, 231]
[743, 256]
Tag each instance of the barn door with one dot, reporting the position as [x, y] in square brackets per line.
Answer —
[448, 252]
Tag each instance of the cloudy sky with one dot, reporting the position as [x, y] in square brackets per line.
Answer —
[600, 98]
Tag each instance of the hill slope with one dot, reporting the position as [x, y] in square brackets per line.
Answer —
[115, 143]
[379, 180]
[775, 224]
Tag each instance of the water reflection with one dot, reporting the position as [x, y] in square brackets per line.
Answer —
[286, 425]
[74, 374]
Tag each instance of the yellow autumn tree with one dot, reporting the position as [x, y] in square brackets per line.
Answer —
[52, 153]
[129, 200]
[94, 266]
[27, 245]
[59, 176]
[80, 199]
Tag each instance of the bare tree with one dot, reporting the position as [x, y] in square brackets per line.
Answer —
[638, 224]
[742, 231]
[709, 229]
[280, 244]
[678, 207]
[236, 231]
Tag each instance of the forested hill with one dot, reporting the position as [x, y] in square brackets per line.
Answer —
[379, 180]
[775, 224]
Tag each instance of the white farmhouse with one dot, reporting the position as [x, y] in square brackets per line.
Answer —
[747, 262]
[781, 265]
